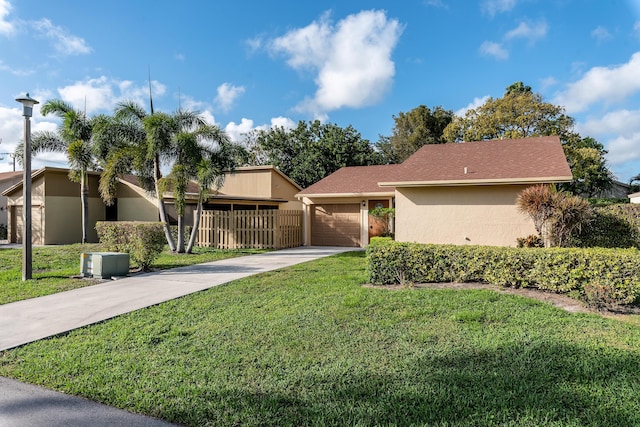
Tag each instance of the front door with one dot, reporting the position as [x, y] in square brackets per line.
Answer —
[377, 226]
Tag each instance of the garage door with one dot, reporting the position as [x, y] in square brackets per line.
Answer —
[335, 225]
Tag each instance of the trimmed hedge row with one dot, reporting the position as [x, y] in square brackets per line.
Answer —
[143, 241]
[556, 269]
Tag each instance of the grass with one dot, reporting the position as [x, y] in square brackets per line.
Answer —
[308, 345]
[54, 266]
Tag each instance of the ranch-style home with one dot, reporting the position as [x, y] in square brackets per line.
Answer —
[56, 207]
[458, 193]
[7, 179]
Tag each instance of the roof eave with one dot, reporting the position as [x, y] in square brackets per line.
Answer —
[463, 182]
[332, 195]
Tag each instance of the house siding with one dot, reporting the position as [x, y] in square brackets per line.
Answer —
[477, 215]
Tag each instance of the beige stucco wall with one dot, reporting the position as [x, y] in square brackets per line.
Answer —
[140, 209]
[4, 206]
[63, 219]
[478, 215]
[256, 183]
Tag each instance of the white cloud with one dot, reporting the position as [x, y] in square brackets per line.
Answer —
[103, 93]
[227, 94]
[619, 131]
[351, 60]
[497, 6]
[548, 82]
[15, 71]
[601, 34]
[282, 122]
[493, 49]
[472, 106]
[607, 84]
[530, 31]
[236, 131]
[6, 27]
[64, 43]
[12, 132]
[624, 149]
[435, 3]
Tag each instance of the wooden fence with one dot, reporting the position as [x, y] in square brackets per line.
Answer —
[262, 229]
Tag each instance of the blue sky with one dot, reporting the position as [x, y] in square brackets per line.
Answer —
[254, 64]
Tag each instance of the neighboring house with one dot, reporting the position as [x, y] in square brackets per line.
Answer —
[7, 180]
[459, 193]
[634, 198]
[56, 204]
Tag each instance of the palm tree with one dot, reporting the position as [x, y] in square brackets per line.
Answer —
[203, 153]
[142, 142]
[74, 138]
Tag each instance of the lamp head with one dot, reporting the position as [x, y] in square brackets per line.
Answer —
[27, 105]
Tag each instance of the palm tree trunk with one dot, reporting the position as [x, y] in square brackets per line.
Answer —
[84, 200]
[194, 230]
[180, 248]
[161, 208]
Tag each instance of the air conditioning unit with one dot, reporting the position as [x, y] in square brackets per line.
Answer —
[104, 265]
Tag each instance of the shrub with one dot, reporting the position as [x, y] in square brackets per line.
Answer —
[531, 241]
[3, 232]
[613, 226]
[143, 241]
[557, 215]
[556, 269]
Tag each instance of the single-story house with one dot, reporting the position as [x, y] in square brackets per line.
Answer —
[56, 207]
[634, 198]
[458, 193]
[7, 180]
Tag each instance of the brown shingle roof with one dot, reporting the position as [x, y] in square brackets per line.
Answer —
[352, 180]
[9, 175]
[540, 159]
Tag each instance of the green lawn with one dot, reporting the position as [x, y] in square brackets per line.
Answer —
[308, 345]
[53, 267]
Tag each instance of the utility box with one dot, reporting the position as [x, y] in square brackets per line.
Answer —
[104, 265]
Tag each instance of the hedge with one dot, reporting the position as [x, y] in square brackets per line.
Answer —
[143, 241]
[556, 269]
[613, 226]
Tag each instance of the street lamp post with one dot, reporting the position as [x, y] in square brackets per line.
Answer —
[27, 111]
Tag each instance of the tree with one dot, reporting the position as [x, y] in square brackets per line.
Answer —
[412, 130]
[74, 138]
[313, 150]
[139, 142]
[588, 166]
[556, 215]
[210, 174]
[193, 149]
[202, 152]
[520, 113]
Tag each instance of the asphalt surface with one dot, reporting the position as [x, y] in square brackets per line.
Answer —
[26, 321]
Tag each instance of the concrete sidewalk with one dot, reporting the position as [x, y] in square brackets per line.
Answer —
[29, 320]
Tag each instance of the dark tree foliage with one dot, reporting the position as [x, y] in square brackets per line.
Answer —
[312, 150]
[591, 177]
[521, 113]
[412, 130]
